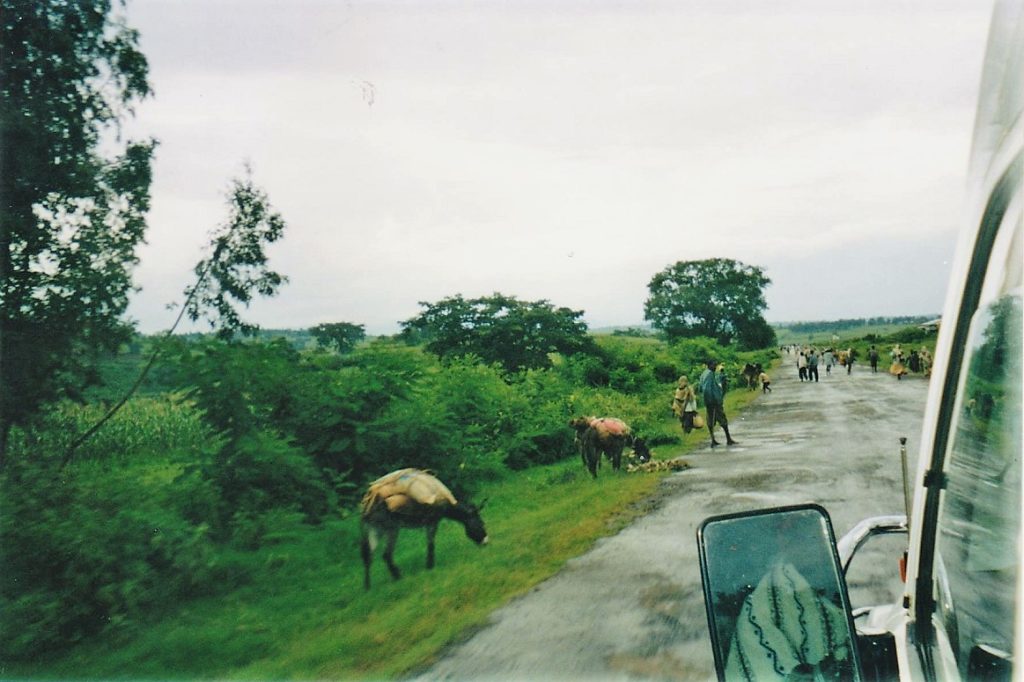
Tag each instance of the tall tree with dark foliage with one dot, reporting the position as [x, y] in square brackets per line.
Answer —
[718, 297]
[343, 336]
[71, 214]
[500, 329]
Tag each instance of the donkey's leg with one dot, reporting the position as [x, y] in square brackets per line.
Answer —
[589, 452]
[616, 454]
[431, 533]
[389, 553]
[593, 456]
[366, 547]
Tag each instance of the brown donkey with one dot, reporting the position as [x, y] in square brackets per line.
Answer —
[608, 435]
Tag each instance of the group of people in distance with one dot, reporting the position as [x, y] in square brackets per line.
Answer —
[808, 360]
[915, 361]
[713, 382]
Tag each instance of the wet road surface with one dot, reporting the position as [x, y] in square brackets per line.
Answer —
[632, 608]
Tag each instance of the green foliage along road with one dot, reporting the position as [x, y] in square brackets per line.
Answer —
[183, 530]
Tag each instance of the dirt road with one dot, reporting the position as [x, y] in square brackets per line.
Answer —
[632, 608]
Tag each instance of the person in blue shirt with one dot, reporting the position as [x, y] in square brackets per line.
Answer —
[713, 394]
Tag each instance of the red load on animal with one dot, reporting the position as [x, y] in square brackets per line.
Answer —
[608, 435]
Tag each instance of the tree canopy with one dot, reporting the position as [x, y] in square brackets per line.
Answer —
[718, 297]
[502, 329]
[343, 336]
[71, 217]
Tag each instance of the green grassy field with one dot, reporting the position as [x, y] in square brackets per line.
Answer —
[302, 613]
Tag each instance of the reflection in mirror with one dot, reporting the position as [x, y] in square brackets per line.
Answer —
[776, 601]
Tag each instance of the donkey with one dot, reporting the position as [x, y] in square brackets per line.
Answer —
[411, 498]
[608, 435]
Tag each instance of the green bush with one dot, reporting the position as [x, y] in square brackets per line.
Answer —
[261, 472]
[694, 353]
[625, 364]
[86, 554]
[453, 422]
[170, 498]
[541, 411]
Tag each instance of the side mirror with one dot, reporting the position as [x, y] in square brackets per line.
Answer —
[776, 600]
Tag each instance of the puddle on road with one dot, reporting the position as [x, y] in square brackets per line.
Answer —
[759, 498]
[653, 656]
[755, 441]
[661, 666]
[775, 479]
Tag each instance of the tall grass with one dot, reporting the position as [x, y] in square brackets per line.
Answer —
[145, 427]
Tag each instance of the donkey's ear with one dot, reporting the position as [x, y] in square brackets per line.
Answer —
[483, 502]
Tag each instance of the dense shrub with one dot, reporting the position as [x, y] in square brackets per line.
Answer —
[541, 410]
[694, 353]
[269, 440]
[452, 423]
[623, 364]
[87, 553]
[261, 472]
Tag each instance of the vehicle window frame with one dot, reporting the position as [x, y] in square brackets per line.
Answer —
[992, 221]
[973, 461]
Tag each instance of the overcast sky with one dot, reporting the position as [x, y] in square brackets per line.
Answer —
[565, 151]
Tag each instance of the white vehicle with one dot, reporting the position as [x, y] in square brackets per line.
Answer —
[773, 580]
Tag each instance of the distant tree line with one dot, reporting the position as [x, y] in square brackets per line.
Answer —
[852, 323]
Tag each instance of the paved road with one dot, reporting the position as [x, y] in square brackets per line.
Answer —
[632, 608]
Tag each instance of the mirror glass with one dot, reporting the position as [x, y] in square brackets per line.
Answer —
[776, 600]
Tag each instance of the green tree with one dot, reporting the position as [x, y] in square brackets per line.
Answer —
[344, 336]
[237, 268]
[718, 297]
[517, 334]
[71, 217]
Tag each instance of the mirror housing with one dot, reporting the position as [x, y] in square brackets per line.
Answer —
[775, 596]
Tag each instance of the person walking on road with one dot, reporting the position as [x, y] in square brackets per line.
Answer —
[766, 382]
[873, 359]
[812, 366]
[711, 392]
[830, 359]
[849, 360]
[801, 366]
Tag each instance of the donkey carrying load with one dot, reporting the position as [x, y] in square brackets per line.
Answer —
[609, 435]
[411, 498]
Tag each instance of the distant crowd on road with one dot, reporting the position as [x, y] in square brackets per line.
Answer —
[713, 383]
[808, 359]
